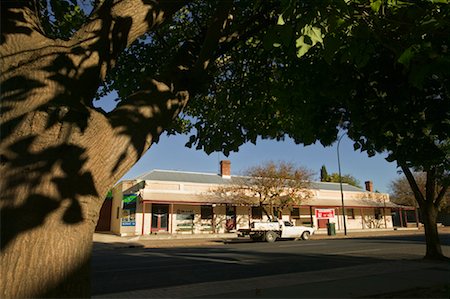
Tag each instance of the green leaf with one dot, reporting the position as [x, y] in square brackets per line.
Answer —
[406, 56]
[311, 36]
[314, 33]
[303, 47]
[376, 5]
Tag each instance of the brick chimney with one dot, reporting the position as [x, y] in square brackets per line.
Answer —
[369, 186]
[225, 168]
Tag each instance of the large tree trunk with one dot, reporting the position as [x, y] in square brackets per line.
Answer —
[56, 171]
[50, 259]
[429, 202]
[52, 189]
[433, 244]
[59, 155]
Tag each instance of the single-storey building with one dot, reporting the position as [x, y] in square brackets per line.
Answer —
[177, 202]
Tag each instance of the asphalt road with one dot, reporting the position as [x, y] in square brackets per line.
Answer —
[128, 269]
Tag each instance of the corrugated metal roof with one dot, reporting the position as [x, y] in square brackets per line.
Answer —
[179, 176]
[211, 178]
[335, 187]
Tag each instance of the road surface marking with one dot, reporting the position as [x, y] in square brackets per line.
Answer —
[301, 245]
[356, 251]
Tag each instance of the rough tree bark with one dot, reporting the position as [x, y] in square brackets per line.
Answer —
[429, 207]
[59, 155]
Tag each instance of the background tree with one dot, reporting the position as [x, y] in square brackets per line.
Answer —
[271, 186]
[323, 174]
[334, 178]
[346, 178]
[402, 194]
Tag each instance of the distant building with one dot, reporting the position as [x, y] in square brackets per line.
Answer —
[176, 202]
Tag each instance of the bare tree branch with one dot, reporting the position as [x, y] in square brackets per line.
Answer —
[270, 186]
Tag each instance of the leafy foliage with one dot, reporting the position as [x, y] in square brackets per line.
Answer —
[61, 18]
[334, 177]
[346, 178]
[302, 69]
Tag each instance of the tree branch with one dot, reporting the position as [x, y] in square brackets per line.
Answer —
[441, 195]
[117, 24]
[430, 185]
[213, 34]
[146, 114]
[20, 20]
[249, 28]
[412, 182]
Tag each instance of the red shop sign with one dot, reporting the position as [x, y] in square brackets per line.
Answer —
[324, 213]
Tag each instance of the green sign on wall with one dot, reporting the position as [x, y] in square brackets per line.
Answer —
[129, 209]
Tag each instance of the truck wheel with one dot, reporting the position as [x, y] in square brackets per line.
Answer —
[305, 235]
[271, 236]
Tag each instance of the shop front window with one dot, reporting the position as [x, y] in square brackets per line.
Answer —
[206, 212]
[256, 213]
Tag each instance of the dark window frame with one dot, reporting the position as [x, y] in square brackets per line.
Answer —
[350, 213]
[378, 214]
[296, 214]
[206, 212]
[257, 213]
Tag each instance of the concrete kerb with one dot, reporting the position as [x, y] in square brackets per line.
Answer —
[110, 241]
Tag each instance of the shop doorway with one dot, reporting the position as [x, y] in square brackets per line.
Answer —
[160, 218]
[104, 220]
[230, 222]
[322, 223]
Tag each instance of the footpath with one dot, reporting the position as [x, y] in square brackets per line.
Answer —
[390, 279]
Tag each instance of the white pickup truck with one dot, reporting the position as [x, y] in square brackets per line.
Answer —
[271, 231]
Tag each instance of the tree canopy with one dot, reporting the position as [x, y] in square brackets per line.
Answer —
[225, 72]
[303, 69]
[378, 70]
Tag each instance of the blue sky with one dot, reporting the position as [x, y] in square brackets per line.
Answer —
[171, 154]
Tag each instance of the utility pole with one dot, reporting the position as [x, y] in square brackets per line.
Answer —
[340, 183]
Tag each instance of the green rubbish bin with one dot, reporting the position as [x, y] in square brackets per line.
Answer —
[331, 229]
